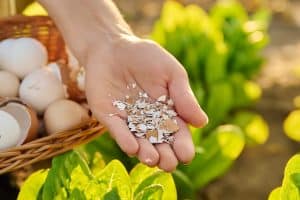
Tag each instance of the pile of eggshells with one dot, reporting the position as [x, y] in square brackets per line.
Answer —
[37, 97]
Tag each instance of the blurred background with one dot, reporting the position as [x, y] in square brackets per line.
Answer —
[260, 45]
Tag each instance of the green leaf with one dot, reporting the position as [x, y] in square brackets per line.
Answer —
[171, 15]
[242, 99]
[220, 149]
[253, 125]
[142, 176]
[217, 109]
[197, 134]
[59, 177]
[185, 187]
[263, 17]
[296, 179]
[292, 125]
[215, 66]
[290, 190]
[275, 194]
[114, 175]
[32, 186]
[77, 194]
[109, 150]
[94, 158]
[112, 195]
[151, 192]
[228, 9]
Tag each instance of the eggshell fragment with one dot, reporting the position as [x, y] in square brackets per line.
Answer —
[64, 115]
[10, 131]
[24, 56]
[41, 88]
[25, 116]
[9, 84]
[72, 79]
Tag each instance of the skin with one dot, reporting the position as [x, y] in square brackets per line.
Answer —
[114, 58]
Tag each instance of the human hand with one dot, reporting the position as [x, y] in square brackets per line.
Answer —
[114, 58]
[133, 60]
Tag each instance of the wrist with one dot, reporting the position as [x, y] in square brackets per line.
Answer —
[85, 24]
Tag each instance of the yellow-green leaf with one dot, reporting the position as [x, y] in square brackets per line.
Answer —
[290, 190]
[275, 194]
[142, 176]
[292, 125]
[34, 9]
[114, 175]
[32, 186]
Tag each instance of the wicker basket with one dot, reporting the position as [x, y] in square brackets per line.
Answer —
[43, 29]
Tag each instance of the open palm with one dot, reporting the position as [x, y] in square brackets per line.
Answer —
[155, 71]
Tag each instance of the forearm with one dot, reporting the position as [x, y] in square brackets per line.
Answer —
[84, 21]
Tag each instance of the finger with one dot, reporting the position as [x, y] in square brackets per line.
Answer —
[185, 101]
[147, 153]
[120, 132]
[167, 158]
[183, 145]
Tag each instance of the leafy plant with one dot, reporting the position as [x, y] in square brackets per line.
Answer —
[221, 52]
[71, 177]
[290, 188]
[216, 154]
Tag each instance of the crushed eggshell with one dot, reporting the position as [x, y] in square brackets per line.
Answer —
[162, 98]
[151, 133]
[169, 126]
[153, 120]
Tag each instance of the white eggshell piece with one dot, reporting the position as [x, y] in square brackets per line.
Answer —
[63, 115]
[81, 80]
[10, 131]
[41, 88]
[54, 68]
[20, 113]
[25, 56]
[9, 84]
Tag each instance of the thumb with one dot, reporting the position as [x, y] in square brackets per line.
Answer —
[185, 101]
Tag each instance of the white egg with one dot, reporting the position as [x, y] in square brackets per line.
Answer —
[9, 84]
[40, 88]
[10, 131]
[25, 56]
[5, 47]
[55, 69]
[64, 115]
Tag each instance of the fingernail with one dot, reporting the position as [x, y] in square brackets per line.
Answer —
[148, 161]
[131, 156]
[206, 119]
